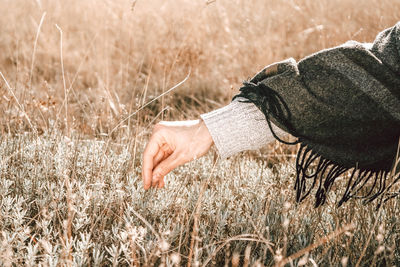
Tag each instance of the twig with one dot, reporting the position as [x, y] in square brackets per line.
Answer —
[151, 101]
[197, 214]
[369, 237]
[19, 105]
[244, 237]
[320, 242]
[34, 49]
[63, 77]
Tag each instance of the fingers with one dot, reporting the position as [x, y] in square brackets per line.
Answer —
[162, 154]
[159, 157]
[161, 183]
[149, 153]
[164, 167]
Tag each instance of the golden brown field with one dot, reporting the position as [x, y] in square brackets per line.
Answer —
[76, 82]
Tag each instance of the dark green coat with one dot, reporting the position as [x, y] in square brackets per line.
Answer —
[343, 105]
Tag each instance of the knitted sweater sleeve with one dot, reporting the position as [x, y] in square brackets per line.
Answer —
[238, 127]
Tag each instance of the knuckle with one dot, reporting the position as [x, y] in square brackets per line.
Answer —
[158, 132]
[183, 156]
[164, 170]
[158, 126]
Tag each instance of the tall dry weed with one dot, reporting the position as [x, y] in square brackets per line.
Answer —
[73, 77]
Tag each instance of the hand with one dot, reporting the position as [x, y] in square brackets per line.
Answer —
[172, 144]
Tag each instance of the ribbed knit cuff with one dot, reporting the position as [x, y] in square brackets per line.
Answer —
[237, 127]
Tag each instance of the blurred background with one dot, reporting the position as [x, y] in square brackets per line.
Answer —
[85, 64]
[77, 84]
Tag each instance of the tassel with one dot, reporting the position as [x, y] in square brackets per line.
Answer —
[321, 171]
[270, 103]
[311, 168]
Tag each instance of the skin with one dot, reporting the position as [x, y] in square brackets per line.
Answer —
[173, 143]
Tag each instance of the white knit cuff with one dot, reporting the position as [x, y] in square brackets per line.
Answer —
[237, 127]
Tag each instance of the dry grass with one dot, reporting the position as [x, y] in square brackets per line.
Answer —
[70, 186]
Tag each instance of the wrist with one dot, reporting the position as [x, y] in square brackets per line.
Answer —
[205, 133]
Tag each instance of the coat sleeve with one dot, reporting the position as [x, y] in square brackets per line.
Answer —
[343, 103]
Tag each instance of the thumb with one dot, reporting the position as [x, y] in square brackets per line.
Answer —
[164, 167]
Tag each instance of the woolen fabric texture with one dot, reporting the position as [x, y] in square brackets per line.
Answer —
[343, 106]
[238, 127]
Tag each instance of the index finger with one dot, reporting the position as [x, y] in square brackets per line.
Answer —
[148, 156]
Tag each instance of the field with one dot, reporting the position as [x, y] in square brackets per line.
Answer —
[82, 82]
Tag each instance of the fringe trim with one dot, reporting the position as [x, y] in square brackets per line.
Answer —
[270, 103]
[311, 168]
